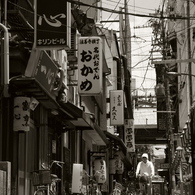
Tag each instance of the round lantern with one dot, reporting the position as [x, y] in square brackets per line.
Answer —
[100, 170]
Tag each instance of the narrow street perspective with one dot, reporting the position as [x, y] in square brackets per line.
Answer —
[97, 97]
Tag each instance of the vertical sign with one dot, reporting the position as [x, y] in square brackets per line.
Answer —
[90, 66]
[51, 20]
[129, 135]
[21, 114]
[116, 107]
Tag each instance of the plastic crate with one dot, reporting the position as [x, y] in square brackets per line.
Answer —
[41, 177]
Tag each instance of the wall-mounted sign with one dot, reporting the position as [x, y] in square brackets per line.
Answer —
[129, 135]
[77, 175]
[52, 26]
[21, 114]
[90, 66]
[116, 107]
[45, 71]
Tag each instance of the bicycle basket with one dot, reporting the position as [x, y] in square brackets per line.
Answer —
[143, 179]
[41, 177]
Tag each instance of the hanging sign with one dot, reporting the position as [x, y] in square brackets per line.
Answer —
[51, 24]
[21, 114]
[116, 107]
[45, 71]
[90, 66]
[129, 135]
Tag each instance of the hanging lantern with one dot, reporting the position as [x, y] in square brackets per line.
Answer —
[100, 171]
[21, 114]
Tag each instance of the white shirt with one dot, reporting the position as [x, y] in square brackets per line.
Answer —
[147, 167]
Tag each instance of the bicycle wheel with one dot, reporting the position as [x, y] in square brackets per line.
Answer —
[40, 192]
[43, 191]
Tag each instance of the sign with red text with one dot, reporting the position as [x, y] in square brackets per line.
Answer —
[116, 107]
[51, 24]
[90, 66]
[129, 135]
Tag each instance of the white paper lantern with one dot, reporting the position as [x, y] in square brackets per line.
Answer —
[21, 114]
[100, 170]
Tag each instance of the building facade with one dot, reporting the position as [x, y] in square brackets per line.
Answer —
[43, 117]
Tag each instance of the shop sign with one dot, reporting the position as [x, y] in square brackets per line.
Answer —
[44, 70]
[77, 175]
[129, 135]
[99, 168]
[116, 107]
[21, 114]
[51, 23]
[90, 66]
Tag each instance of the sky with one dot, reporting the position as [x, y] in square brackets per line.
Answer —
[142, 70]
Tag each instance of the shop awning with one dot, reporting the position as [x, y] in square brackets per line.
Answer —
[70, 114]
[84, 121]
[122, 151]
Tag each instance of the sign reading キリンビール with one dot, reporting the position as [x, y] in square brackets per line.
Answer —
[51, 24]
[90, 66]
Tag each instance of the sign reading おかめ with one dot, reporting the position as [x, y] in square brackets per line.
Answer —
[90, 66]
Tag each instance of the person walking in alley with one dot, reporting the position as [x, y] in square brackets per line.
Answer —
[145, 172]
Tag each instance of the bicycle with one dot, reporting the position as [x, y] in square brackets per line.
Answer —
[45, 182]
[144, 184]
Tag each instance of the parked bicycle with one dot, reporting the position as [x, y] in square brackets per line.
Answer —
[45, 181]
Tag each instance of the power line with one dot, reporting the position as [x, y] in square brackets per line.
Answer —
[122, 12]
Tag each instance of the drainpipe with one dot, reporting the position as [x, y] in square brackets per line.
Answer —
[6, 60]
